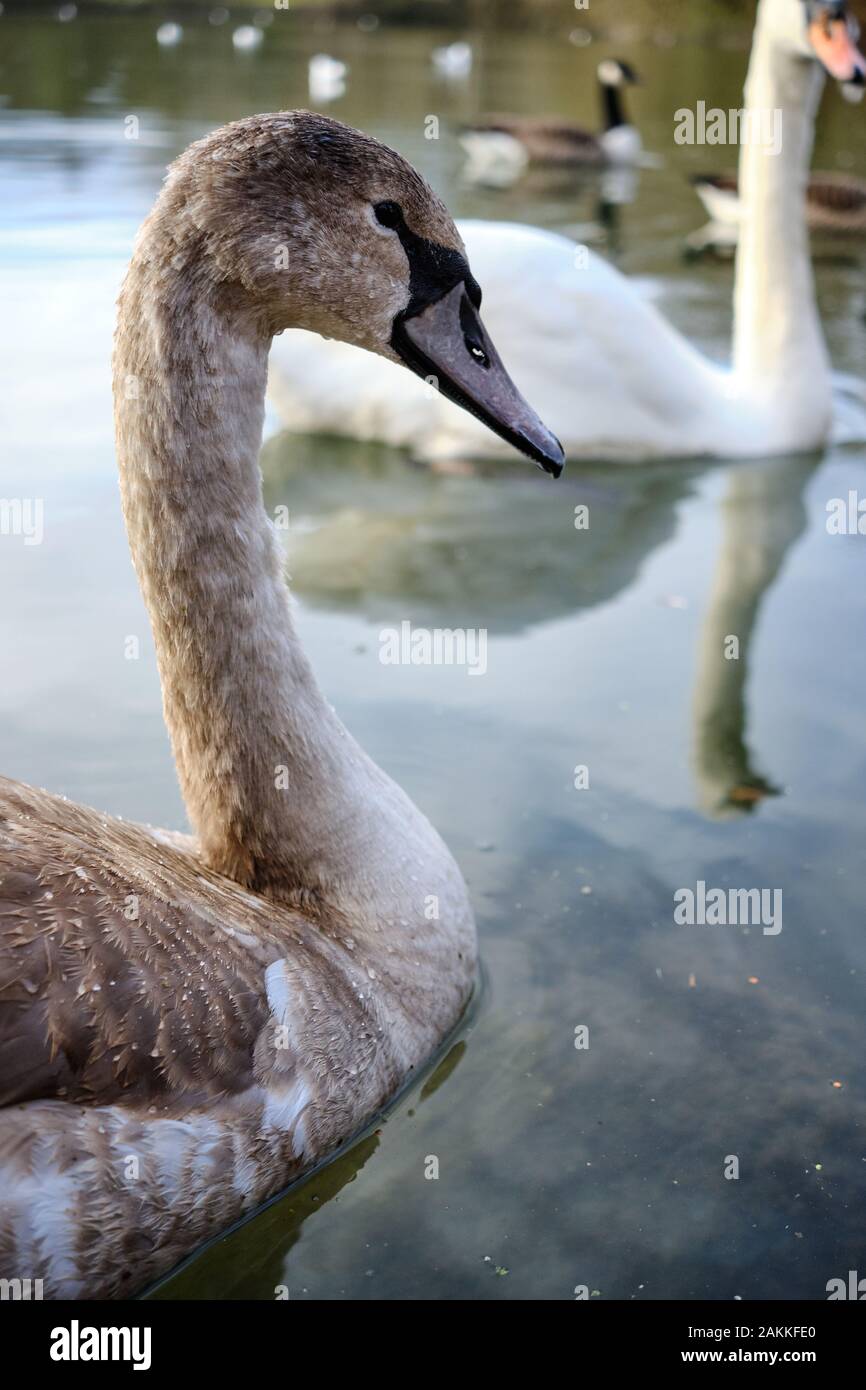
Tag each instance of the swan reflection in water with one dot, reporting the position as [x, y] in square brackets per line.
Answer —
[763, 516]
[501, 552]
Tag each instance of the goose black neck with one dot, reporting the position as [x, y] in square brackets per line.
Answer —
[611, 105]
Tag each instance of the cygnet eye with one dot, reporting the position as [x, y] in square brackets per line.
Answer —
[389, 214]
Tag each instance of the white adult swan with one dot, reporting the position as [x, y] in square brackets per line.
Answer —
[613, 378]
[187, 1025]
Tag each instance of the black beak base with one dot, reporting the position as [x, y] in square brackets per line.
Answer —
[447, 345]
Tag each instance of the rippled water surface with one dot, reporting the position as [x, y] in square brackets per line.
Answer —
[557, 1167]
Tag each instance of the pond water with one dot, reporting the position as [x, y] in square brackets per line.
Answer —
[558, 1166]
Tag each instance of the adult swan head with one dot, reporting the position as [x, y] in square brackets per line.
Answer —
[188, 1025]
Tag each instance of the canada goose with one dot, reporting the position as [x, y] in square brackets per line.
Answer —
[835, 202]
[525, 140]
[613, 377]
[187, 1025]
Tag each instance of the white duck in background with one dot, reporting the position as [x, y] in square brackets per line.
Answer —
[169, 35]
[516, 141]
[247, 38]
[612, 376]
[453, 61]
[326, 78]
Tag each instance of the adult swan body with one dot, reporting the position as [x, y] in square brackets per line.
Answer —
[187, 1025]
[607, 371]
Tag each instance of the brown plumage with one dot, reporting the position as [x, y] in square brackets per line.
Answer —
[187, 1024]
[142, 1064]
